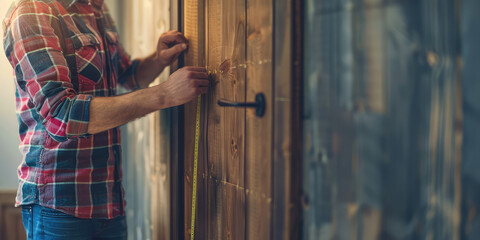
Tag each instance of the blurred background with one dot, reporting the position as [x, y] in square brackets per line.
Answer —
[388, 153]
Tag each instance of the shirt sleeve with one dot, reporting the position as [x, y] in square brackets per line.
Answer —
[34, 51]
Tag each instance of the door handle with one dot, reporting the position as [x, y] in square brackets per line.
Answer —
[259, 104]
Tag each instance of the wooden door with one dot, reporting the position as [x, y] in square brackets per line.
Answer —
[233, 40]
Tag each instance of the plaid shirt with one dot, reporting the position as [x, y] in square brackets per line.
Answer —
[63, 167]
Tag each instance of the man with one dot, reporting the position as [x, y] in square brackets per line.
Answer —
[67, 63]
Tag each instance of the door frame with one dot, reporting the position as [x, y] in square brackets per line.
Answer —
[287, 162]
[177, 146]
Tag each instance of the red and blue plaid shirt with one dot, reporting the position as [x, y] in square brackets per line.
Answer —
[64, 167]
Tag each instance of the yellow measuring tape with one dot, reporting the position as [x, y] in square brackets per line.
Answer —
[195, 163]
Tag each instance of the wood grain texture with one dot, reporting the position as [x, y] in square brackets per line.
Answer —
[258, 167]
[238, 158]
[226, 126]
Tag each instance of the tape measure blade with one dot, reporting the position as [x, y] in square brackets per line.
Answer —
[195, 166]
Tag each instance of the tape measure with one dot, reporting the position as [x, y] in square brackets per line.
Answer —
[195, 164]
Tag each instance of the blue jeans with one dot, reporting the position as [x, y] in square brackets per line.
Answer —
[43, 223]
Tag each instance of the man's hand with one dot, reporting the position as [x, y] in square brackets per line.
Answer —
[170, 45]
[185, 84]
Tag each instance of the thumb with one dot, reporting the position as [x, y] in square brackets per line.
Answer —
[171, 52]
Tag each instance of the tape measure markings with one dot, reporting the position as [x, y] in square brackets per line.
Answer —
[195, 166]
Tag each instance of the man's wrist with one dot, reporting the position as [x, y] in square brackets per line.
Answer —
[159, 96]
[148, 69]
[156, 61]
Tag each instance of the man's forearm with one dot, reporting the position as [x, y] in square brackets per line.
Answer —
[110, 112]
[148, 69]
[181, 87]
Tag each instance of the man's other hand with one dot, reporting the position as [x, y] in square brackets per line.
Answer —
[170, 45]
[185, 84]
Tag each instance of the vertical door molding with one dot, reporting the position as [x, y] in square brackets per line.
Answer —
[194, 30]
[287, 126]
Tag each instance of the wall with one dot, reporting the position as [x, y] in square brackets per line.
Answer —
[10, 157]
[383, 120]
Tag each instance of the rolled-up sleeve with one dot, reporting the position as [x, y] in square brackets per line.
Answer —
[34, 51]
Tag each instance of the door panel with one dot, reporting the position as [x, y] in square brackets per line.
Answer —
[258, 169]
[225, 129]
[234, 196]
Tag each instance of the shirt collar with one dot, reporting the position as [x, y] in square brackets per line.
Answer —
[68, 3]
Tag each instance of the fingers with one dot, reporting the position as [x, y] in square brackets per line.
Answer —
[173, 37]
[202, 90]
[197, 78]
[200, 87]
[195, 69]
[173, 31]
[170, 45]
[198, 75]
[173, 51]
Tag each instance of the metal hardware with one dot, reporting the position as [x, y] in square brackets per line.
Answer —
[259, 104]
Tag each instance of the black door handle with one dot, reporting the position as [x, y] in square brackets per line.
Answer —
[259, 104]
